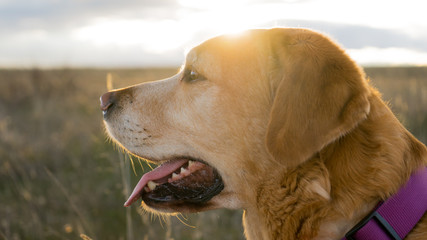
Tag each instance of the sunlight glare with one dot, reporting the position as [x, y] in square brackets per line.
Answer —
[199, 20]
[394, 56]
[212, 5]
[152, 36]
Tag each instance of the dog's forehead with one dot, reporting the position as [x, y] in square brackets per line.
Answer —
[222, 44]
[191, 57]
[221, 58]
[204, 60]
[223, 47]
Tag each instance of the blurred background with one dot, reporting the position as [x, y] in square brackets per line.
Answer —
[60, 177]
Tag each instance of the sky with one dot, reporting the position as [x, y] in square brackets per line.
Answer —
[151, 33]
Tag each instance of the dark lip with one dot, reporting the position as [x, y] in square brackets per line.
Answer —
[171, 199]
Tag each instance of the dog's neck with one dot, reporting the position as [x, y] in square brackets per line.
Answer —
[300, 205]
[327, 195]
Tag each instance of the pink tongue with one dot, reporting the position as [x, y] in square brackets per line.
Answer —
[159, 172]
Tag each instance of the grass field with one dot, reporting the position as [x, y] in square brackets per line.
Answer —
[60, 177]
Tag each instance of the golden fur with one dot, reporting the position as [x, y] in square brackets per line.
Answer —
[303, 142]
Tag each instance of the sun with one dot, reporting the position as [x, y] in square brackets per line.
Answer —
[195, 22]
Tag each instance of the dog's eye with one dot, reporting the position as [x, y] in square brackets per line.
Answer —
[192, 75]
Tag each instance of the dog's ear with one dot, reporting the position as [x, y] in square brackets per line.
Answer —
[320, 95]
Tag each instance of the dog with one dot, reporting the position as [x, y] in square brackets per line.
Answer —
[281, 123]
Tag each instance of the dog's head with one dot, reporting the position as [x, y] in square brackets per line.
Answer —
[240, 109]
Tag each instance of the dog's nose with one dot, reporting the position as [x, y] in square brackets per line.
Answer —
[107, 101]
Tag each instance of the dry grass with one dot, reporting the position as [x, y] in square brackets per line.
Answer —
[405, 89]
[61, 179]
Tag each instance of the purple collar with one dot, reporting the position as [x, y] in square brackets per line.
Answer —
[398, 215]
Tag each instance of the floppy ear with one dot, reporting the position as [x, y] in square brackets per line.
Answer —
[320, 95]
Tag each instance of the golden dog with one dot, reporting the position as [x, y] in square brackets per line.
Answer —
[278, 122]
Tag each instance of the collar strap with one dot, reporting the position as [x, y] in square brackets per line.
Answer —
[398, 215]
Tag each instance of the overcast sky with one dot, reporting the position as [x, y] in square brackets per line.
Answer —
[138, 33]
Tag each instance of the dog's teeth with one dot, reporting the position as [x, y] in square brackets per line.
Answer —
[152, 185]
[185, 172]
[174, 177]
[190, 163]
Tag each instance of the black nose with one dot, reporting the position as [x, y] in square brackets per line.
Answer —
[107, 101]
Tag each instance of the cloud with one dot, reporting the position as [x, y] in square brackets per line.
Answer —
[387, 56]
[361, 36]
[150, 32]
[57, 15]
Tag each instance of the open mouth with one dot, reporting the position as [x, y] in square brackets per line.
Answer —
[177, 183]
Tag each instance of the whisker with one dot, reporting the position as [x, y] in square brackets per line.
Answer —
[183, 216]
[148, 163]
[140, 164]
[133, 165]
[183, 222]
